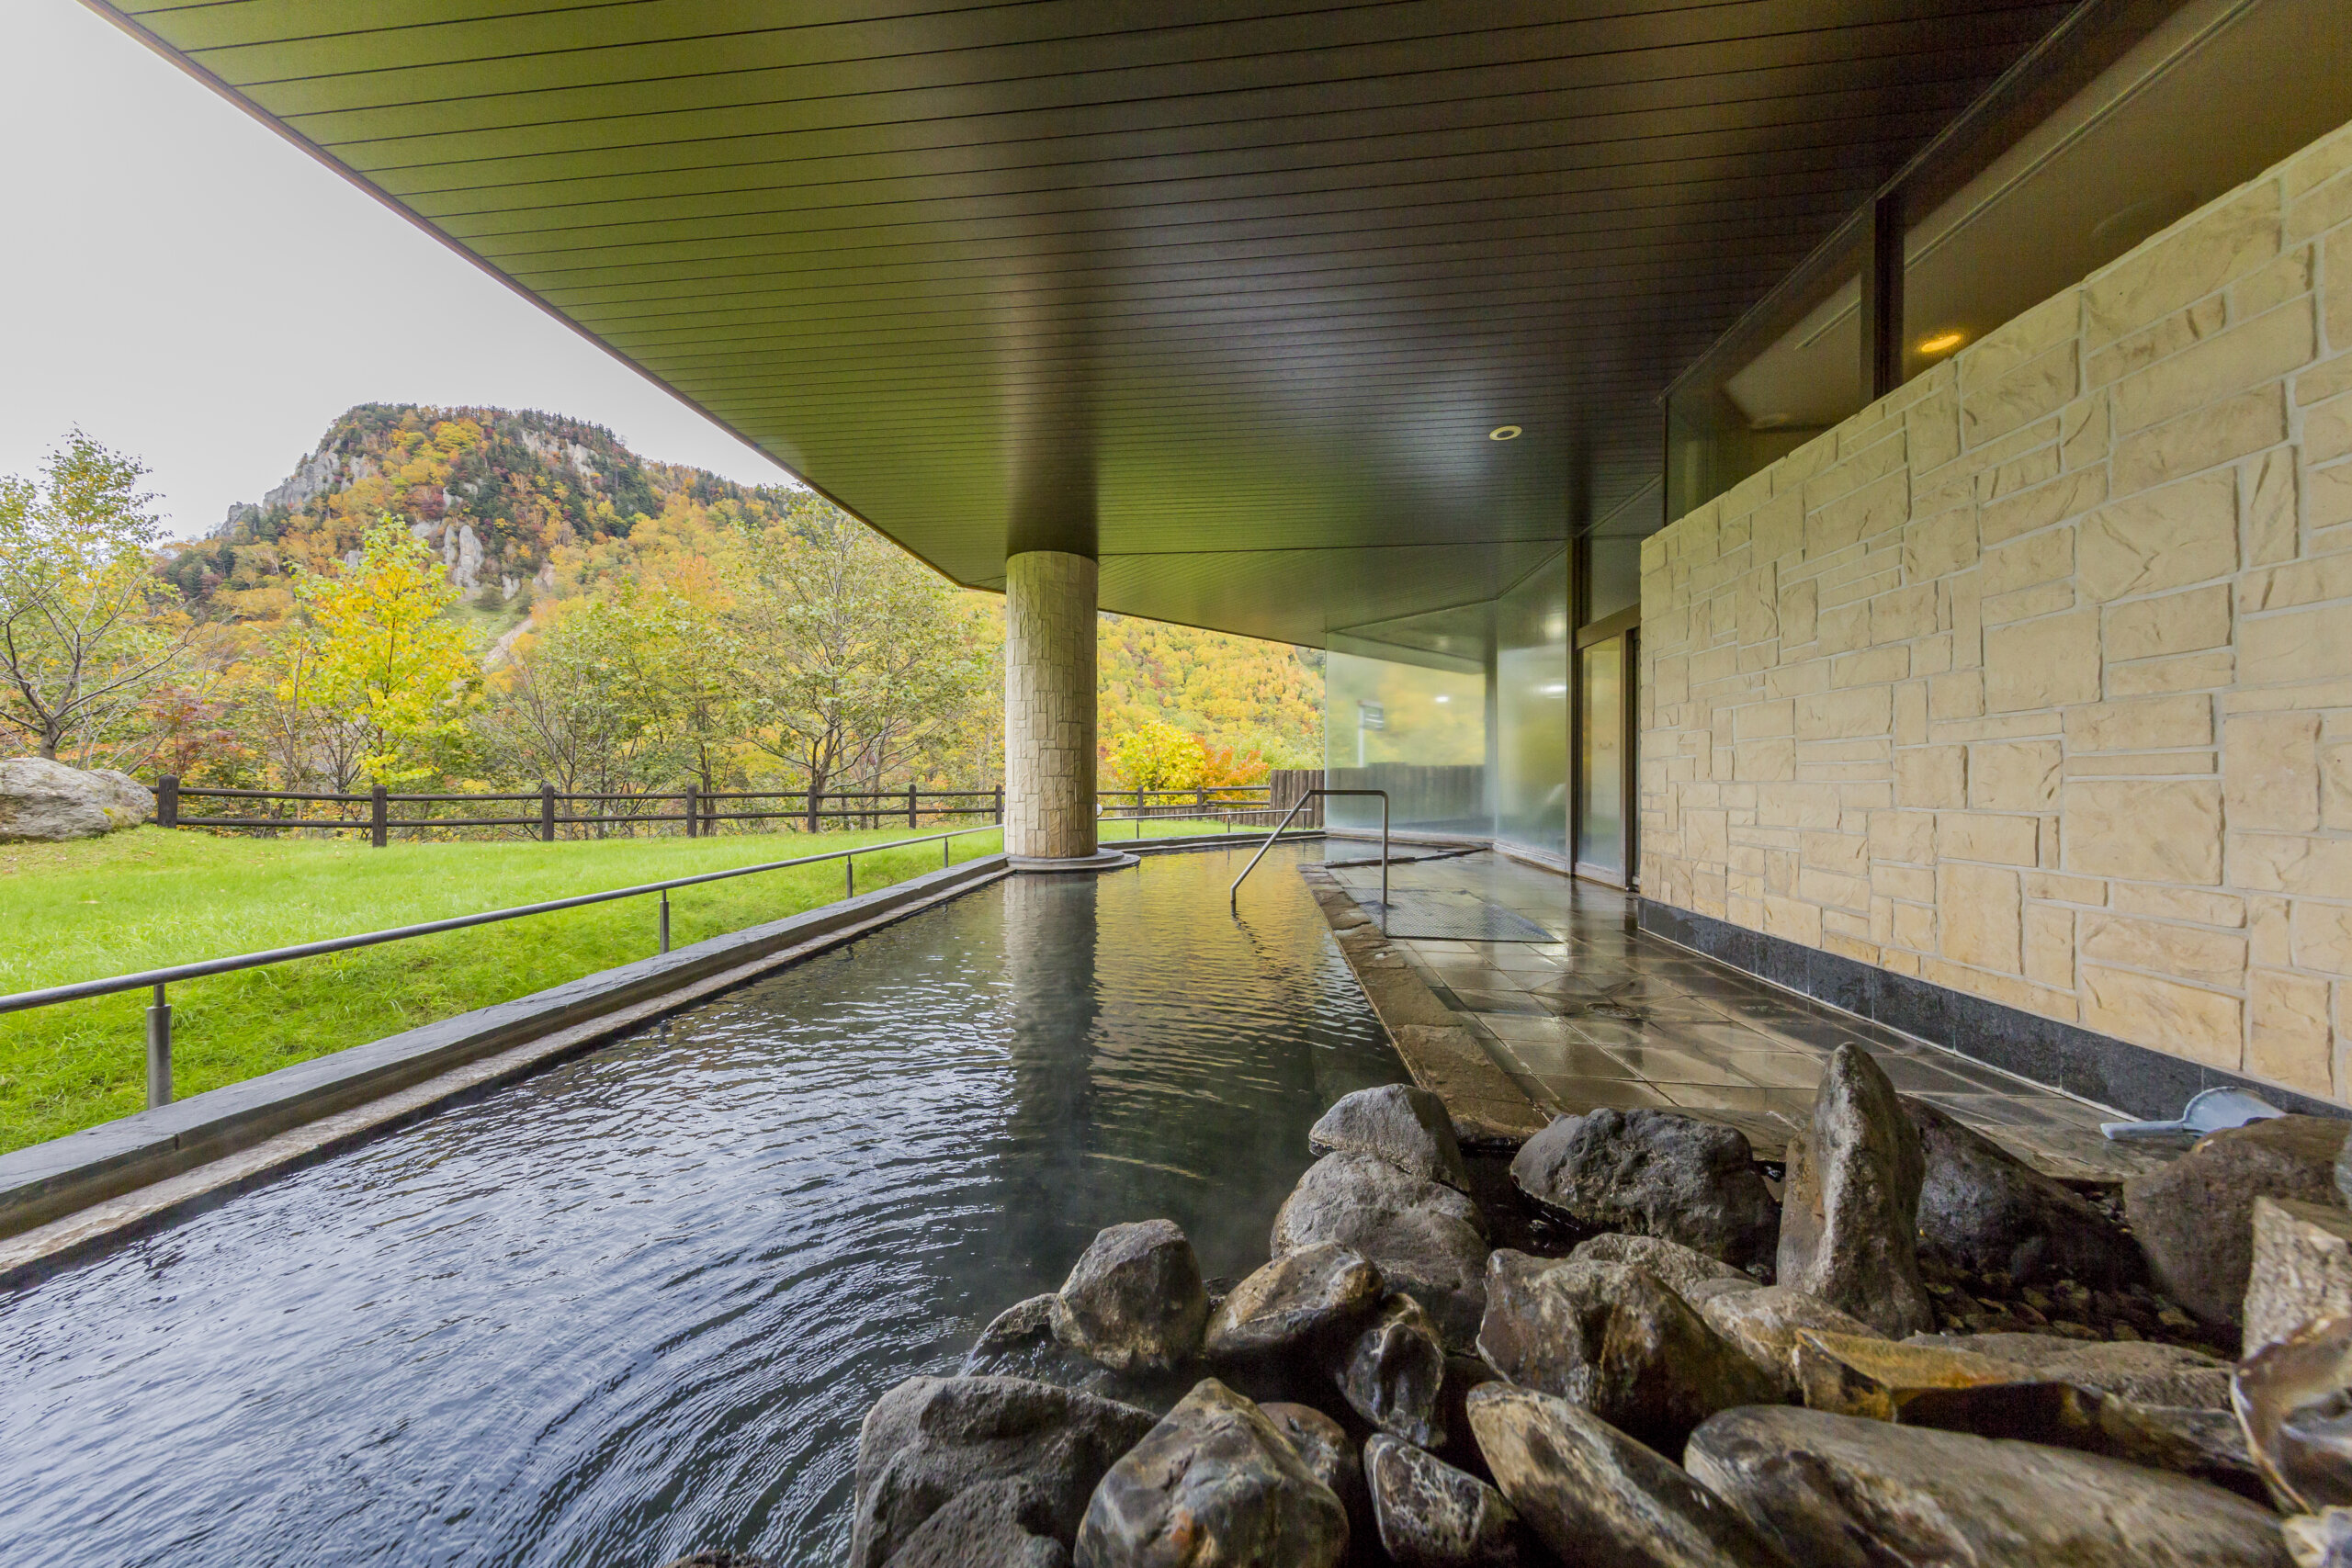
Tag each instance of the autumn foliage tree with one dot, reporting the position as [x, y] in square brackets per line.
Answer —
[849, 654]
[1160, 756]
[81, 638]
[380, 663]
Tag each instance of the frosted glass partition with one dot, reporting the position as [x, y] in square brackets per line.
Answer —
[1531, 790]
[1418, 730]
[1614, 564]
[1601, 774]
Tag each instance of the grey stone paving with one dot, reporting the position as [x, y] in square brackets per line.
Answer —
[1607, 1015]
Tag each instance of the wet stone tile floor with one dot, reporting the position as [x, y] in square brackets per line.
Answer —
[1604, 1014]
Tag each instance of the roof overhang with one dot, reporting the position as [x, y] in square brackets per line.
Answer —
[1229, 294]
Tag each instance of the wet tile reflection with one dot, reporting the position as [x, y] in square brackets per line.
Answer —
[1607, 1015]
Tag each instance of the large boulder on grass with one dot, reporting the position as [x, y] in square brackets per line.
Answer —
[1655, 1173]
[46, 802]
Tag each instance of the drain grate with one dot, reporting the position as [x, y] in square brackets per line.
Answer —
[1451, 917]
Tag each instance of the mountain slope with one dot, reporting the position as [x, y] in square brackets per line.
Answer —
[498, 491]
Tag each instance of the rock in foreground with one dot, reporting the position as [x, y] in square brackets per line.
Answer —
[1295, 1304]
[1688, 1274]
[2294, 1400]
[2145, 1372]
[1426, 1239]
[1432, 1516]
[1323, 1444]
[1393, 1373]
[1982, 1210]
[2301, 1270]
[2193, 1218]
[1763, 1324]
[1611, 1338]
[1133, 1301]
[1843, 1492]
[998, 1523]
[1654, 1173]
[1403, 1125]
[1849, 1220]
[930, 1439]
[1213, 1482]
[1594, 1495]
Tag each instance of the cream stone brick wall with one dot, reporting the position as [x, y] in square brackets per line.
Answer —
[2033, 680]
[1049, 704]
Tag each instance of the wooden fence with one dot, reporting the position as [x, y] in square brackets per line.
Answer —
[695, 812]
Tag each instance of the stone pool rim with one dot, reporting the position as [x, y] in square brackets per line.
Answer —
[67, 1198]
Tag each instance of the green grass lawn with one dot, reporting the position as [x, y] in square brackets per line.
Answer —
[148, 899]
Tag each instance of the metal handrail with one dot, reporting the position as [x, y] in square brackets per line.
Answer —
[159, 1012]
[1233, 897]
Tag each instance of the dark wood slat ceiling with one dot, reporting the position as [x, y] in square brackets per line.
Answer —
[1250, 282]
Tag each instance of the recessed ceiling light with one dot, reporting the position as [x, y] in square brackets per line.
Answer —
[1503, 433]
[1942, 343]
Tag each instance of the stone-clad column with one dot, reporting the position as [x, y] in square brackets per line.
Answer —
[1049, 704]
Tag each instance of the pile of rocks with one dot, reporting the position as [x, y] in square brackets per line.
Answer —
[1702, 1371]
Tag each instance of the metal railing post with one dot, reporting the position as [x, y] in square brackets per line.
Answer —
[378, 832]
[1234, 893]
[849, 874]
[168, 801]
[693, 799]
[547, 813]
[665, 919]
[159, 1052]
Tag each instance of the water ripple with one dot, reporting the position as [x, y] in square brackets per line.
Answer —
[638, 1304]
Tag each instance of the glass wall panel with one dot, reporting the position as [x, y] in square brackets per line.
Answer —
[1414, 725]
[1612, 575]
[1532, 712]
[1601, 759]
[2210, 97]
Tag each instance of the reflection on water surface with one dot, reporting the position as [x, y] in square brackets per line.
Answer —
[638, 1303]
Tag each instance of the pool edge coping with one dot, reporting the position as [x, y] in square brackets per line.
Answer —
[1489, 1108]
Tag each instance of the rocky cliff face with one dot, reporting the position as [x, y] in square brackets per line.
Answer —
[495, 492]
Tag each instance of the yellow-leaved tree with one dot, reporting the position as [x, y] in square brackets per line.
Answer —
[83, 639]
[380, 663]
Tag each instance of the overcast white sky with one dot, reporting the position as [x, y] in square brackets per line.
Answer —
[187, 286]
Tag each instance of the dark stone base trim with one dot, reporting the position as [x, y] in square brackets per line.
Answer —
[2106, 1071]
